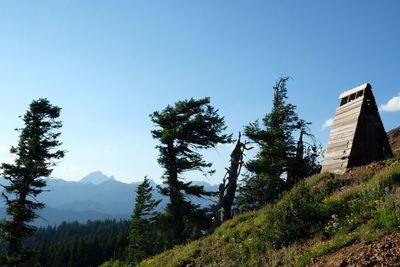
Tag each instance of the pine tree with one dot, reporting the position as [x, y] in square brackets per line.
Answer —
[184, 129]
[34, 160]
[277, 164]
[140, 242]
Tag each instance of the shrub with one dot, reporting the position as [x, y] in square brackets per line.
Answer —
[388, 214]
[297, 215]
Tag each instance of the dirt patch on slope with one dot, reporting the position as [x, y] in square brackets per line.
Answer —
[382, 252]
[358, 175]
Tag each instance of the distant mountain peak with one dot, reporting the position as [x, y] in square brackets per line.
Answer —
[96, 177]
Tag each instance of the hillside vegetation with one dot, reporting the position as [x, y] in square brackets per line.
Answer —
[325, 220]
[318, 216]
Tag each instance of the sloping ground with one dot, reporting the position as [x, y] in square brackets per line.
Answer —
[384, 251]
[394, 139]
[318, 216]
[327, 220]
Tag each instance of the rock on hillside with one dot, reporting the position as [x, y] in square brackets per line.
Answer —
[394, 139]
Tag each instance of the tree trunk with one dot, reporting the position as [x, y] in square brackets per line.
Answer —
[233, 172]
[174, 194]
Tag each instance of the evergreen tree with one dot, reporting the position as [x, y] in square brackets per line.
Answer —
[34, 159]
[277, 165]
[141, 245]
[183, 129]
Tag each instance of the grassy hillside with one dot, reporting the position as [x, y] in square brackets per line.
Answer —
[326, 220]
[318, 216]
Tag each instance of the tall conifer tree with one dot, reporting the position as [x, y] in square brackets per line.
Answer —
[276, 166]
[183, 130]
[35, 157]
[140, 242]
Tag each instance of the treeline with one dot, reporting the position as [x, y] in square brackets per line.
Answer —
[286, 153]
[75, 244]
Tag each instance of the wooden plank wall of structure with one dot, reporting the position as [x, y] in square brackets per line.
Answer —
[371, 142]
[357, 136]
[341, 138]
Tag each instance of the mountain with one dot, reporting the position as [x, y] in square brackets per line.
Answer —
[109, 197]
[96, 177]
[95, 196]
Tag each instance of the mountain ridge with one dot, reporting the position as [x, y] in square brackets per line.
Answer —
[92, 199]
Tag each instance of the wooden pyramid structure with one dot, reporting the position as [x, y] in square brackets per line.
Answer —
[357, 136]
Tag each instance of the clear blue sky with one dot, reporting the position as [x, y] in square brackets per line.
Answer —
[109, 64]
